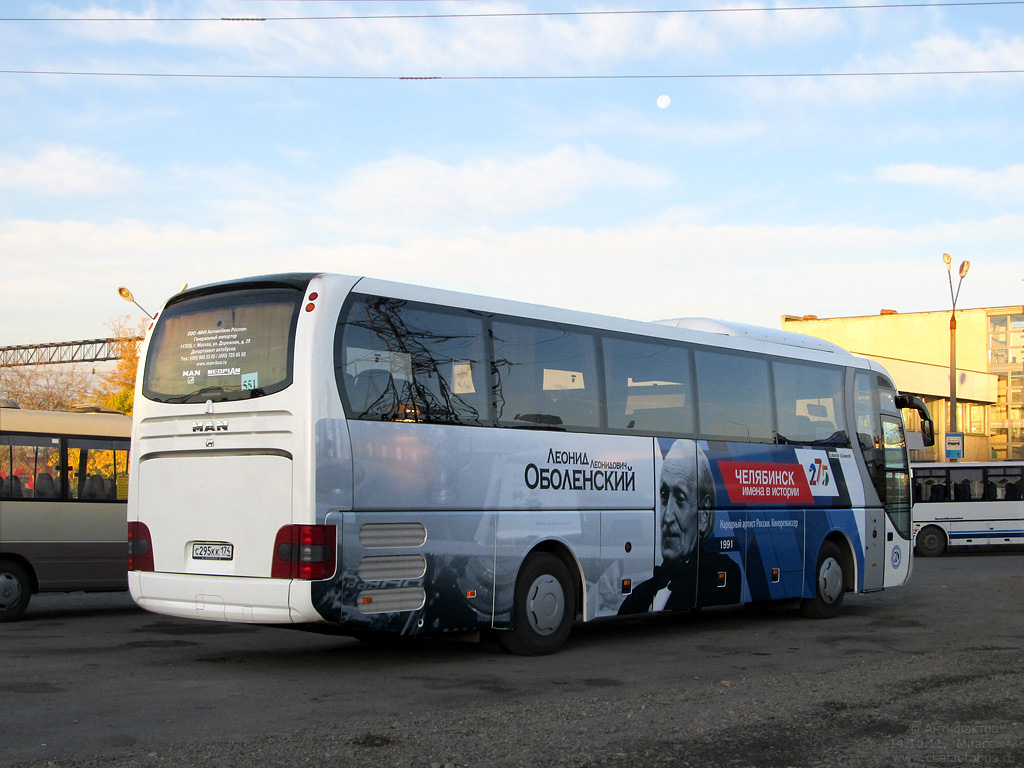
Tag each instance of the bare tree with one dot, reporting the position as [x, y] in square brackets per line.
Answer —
[45, 387]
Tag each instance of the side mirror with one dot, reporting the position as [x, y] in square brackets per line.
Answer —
[928, 432]
[903, 400]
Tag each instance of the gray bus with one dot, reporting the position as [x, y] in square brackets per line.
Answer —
[63, 496]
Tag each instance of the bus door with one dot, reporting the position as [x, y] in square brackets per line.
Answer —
[883, 445]
[869, 436]
[679, 518]
[897, 501]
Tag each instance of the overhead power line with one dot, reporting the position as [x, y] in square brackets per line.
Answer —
[520, 14]
[685, 76]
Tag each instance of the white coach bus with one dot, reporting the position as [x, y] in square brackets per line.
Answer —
[368, 456]
[967, 504]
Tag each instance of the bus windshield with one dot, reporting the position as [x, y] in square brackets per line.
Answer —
[228, 345]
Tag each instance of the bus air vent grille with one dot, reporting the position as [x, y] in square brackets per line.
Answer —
[392, 567]
[390, 600]
[374, 535]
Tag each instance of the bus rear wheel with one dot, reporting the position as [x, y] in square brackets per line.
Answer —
[829, 585]
[931, 541]
[15, 590]
[543, 609]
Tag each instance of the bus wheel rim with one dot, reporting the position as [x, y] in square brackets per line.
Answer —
[10, 591]
[545, 606]
[830, 580]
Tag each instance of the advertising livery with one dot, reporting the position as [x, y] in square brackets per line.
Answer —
[372, 457]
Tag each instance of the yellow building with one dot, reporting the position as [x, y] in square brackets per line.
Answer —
[915, 348]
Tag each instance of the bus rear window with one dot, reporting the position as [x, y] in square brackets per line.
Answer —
[230, 345]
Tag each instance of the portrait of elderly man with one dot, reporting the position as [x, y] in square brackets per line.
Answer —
[689, 575]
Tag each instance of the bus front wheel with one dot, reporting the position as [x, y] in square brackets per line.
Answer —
[15, 590]
[544, 607]
[931, 541]
[829, 585]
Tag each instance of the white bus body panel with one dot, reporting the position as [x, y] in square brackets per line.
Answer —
[215, 598]
[898, 556]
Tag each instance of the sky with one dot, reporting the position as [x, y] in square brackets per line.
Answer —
[729, 159]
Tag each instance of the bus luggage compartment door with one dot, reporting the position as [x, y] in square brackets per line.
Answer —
[216, 514]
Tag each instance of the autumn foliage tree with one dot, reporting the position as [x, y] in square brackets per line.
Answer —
[117, 389]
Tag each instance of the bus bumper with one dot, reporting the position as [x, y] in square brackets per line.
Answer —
[224, 598]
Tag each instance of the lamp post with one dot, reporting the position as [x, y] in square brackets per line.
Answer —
[964, 266]
[125, 294]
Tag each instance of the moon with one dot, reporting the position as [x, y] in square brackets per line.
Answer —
[664, 101]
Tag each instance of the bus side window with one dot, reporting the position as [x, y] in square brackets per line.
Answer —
[967, 484]
[649, 387]
[869, 429]
[98, 469]
[545, 376]
[1003, 483]
[401, 361]
[810, 404]
[929, 485]
[26, 459]
[734, 395]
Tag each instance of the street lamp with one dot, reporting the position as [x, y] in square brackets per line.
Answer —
[964, 266]
[125, 294]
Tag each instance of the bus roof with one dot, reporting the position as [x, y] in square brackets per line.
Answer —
[967, 464]
[65, 423]
[717, 333]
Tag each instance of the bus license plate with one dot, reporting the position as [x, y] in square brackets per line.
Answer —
[202, 551]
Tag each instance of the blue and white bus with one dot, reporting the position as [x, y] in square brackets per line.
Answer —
[376, 457]
[967, 504]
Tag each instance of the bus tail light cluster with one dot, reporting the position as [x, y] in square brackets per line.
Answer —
[140, 548]
[305, 552]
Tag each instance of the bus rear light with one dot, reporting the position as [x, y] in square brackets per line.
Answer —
[304, 552]
[140, 548]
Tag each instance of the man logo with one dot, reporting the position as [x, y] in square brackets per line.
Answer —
[219, 425]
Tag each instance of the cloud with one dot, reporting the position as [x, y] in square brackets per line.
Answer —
[412, 190]
[64, 170]
[942, 51]
[991, 50]
[1005, 183]
[641, 271]
[497, 40]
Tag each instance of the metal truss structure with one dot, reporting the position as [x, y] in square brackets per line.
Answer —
[88, 351]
